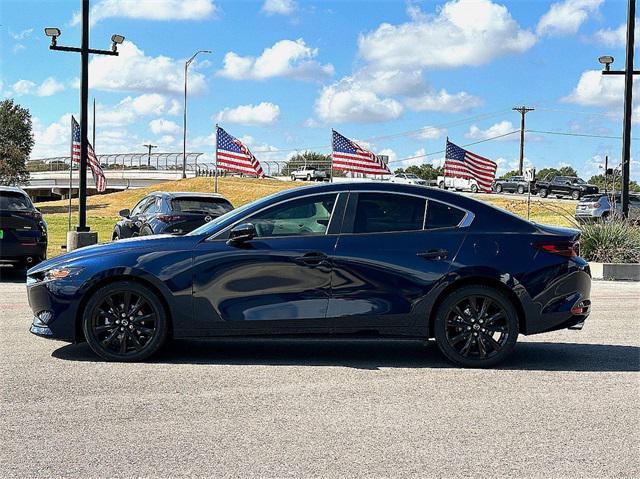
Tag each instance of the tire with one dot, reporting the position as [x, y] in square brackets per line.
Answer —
[455, 333]
[575, 194]
[498, 189]
[293, 177]
[474, 188]
[145, 231]
[441, 185]
[542, 192]
[521, 190]
[109, 333]
[308, 177]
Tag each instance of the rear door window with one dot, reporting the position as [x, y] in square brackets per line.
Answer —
[387, 212]
[440, 215]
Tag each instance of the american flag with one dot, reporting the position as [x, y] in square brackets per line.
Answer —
[94, 164]
[349, 156]
[460, 163]
[233, 155]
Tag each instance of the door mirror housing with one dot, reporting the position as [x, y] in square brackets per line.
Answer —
[125, 213]
[241, 233]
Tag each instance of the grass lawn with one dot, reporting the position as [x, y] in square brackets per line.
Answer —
[102, 210]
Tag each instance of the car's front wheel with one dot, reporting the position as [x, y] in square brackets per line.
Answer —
[474, 188]
[520, 189]
[542, 192]
[575, 194]
[476, 326]
[125, 321]
[498, 188]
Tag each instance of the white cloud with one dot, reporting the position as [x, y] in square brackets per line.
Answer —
[349, 100]
[150, 10]
[430, 133]
[18, 47]
[595, 89]
[130, 109]
[444, 101]
[22, 87]
[49, 87]
[495, 130]
[286, 58]
[567, 16]
[22, 35]
[461, 33]
[279, 7]
[53, 139]
[132, 70]
[263, 114]
[612, 37]
[160, 126]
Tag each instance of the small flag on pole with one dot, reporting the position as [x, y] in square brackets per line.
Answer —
[460, 163]
[349, 156]
[94, 164]
[233, 155]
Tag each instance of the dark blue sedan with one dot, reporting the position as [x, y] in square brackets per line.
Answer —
[364, 260]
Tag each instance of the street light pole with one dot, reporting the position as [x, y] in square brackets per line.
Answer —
[628, 73]
[149, 145]
[184, 117]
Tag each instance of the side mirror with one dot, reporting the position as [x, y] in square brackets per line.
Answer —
[241, 233]
[125, 213]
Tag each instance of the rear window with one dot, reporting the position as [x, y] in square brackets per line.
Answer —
[440, 215]
[14, 201]
[215, 206]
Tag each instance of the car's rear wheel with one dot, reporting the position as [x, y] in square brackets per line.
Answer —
[125, 321]
[308, 177]
[542, 192]
[476, 326]
[474, 188]
[498, 188]
[575, 194]
[520, 189]
[441, 185]
[145, 231]
[293, 177]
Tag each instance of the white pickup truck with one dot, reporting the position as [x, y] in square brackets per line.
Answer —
[310, 173]
[446, 182]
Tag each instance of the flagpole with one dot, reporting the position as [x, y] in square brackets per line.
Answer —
[331, 156]
[70, 174]
[444, 167]
[216, 162]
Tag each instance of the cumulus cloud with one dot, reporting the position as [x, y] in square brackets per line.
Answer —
[595, 89]
[161, 126]
[567, 16]
[130, 109]
[279, 7]
[461, 33]
[53, 139]
[614, 37]
[49, 87]
[150, 10]
[262, 114]
[444, 101]
[430, 133]
[286, 58]
[22, 87]
[495, 130]
[134, 71]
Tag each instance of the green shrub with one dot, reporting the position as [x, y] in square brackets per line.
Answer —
[616, 241]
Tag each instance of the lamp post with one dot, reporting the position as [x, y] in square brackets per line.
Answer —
[628, 73]
[184, 118]
[149, 145]
[84, 51]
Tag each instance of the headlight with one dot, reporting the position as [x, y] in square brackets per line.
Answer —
[61, 273]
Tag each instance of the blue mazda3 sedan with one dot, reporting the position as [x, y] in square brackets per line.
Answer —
[353, 260]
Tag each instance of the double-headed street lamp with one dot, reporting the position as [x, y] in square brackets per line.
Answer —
[184, 119]
[84, 51]
[628, 73]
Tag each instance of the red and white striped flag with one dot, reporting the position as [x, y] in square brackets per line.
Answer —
[349, 156]
[460, 163]
[92, 160]
[233, 155]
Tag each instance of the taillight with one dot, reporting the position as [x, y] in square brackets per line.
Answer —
[570, 249]
[595, 205]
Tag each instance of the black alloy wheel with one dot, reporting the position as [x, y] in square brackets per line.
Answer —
[124, 321]
[476, 326]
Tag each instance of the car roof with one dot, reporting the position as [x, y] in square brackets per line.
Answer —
[184, 194]
[13, 189]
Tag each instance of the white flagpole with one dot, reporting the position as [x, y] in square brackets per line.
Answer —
[331, 156]
[216, 162]
[70, 175]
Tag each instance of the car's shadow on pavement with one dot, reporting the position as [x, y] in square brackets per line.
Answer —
[372, 355]
[9, 274]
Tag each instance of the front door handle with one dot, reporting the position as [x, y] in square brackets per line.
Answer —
[434, 254]
[315, 257]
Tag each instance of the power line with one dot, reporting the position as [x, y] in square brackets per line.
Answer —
[565, 133]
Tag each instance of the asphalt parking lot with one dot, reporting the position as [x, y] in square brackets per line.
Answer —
[564, 405]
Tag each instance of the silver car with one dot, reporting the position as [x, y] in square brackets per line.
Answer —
[601, 206]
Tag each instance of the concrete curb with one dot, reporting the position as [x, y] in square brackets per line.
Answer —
[615, 271]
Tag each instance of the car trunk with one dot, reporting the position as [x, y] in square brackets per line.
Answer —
[19, 226]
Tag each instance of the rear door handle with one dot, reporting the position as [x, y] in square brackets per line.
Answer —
[315, 257]
[434, 254]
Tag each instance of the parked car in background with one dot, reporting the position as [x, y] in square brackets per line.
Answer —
[513, 184]
[606, 206]
[310, 173]
[170, 212]
[407, 179]
[363, 260]
[571, 186]
[449, 182]
[23, 230]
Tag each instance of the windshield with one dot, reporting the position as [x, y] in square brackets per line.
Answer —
[14, 201]
[214, 206]
[579, 181]
[413, 177]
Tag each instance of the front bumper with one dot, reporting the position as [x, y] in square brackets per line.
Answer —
[55, 306]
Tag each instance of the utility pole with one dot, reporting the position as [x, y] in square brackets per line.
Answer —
[81, 236]
[628, 73]
[149, 145]
[523, 110]
[184, 116]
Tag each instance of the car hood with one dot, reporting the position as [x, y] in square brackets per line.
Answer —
[142, 243]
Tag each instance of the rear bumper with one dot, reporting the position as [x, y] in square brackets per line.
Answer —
[14, 252]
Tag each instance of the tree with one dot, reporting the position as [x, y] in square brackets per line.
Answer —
[307, 158]
[509, 174]
[599, 181]
[16, 143]
[425, 171]
[549, 173]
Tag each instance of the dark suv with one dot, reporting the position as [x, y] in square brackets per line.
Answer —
[512, 184]
[566, 186]
[23, 231]
[170, 212]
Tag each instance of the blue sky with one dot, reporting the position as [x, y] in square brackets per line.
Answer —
[398, 76]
